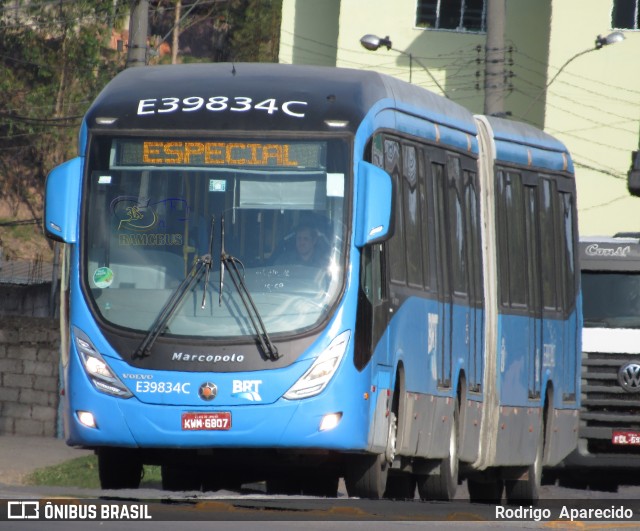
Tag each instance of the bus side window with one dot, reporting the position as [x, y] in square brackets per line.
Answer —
[411, 208]
[568, 240]
[511, 240]
[548, 249]
[370, 319]
[456, 226]
[396, 246]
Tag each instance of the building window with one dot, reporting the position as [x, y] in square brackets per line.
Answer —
[458, 15]
[625, 14]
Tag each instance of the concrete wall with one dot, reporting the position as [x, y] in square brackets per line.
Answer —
[29, 396]
[309, 32]
[25, 299]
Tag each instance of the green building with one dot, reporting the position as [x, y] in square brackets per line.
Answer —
[547, 70]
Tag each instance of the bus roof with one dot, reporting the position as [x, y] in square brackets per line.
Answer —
[175, 97]
[606, 253]
[524, 144]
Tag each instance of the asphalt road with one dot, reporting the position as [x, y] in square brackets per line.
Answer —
[251, 507]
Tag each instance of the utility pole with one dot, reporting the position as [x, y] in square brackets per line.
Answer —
[176, 33]
[138, 29]
[494, 72]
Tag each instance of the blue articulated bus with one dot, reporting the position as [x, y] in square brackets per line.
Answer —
[298, 274]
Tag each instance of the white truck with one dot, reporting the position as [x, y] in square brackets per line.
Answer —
[608, 451]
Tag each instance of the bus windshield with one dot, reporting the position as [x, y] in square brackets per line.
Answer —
[611, 299]
[274, 208]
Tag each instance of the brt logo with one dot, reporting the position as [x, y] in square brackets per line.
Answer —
[247, 389]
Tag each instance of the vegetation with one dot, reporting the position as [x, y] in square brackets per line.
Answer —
[82, 472]
[56, 56]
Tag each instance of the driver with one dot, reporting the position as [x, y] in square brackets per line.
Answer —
[307, 250]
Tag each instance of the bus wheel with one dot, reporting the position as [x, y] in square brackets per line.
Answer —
[366, 475]
[442, 483]
[527, 489]
[119, 468]
[489, 491]
[180, 478]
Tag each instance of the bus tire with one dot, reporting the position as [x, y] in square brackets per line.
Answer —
[527, 489]
[366, 474]
[442, 483]
[119, 468]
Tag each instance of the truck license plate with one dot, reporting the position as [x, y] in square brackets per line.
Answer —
[219, 421]
[626, 438]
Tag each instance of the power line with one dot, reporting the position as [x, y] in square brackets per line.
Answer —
[606, 203]
[57, 122]
[591, 80]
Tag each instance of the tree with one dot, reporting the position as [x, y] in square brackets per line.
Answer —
[56, 56]
[251, 29]
[256, 30]
[54, 59]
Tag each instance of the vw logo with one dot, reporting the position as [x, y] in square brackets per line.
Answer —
[208, 391]
[629, 377]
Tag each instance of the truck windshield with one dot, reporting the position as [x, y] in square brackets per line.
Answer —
[155, 207]
[611, 300]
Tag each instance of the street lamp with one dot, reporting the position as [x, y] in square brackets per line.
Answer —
[372, 43]
[601, 41]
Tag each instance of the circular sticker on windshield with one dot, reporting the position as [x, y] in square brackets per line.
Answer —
[103, 277]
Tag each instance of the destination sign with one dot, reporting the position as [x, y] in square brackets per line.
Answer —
[199, 153]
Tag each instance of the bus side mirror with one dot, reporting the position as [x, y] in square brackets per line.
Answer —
[633, 177]
[375, 197]
[61, 201]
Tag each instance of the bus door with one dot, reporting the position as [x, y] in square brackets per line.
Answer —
[373, 299]
[474, 366]
[534, 288]
[461, 314]
[568, 259]
[373, 304]
[440, 192]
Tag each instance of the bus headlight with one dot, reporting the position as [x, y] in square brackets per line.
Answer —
[100, 374]
[320, 373]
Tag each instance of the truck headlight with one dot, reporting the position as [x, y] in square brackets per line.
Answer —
[321, 371]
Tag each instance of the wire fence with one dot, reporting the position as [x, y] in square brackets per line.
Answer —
[35, 271]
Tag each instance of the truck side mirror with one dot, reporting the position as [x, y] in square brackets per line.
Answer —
[374, 205]
[61, 201]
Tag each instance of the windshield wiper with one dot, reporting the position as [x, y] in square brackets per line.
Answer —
[170, 307]
[230, 262]
[208, 263]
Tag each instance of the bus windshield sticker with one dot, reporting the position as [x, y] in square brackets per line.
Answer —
[217, 185]
[104, 179]
[335, 184]
[103, 277]
[282, 195]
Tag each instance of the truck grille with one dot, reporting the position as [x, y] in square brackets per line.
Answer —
[605, 405]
